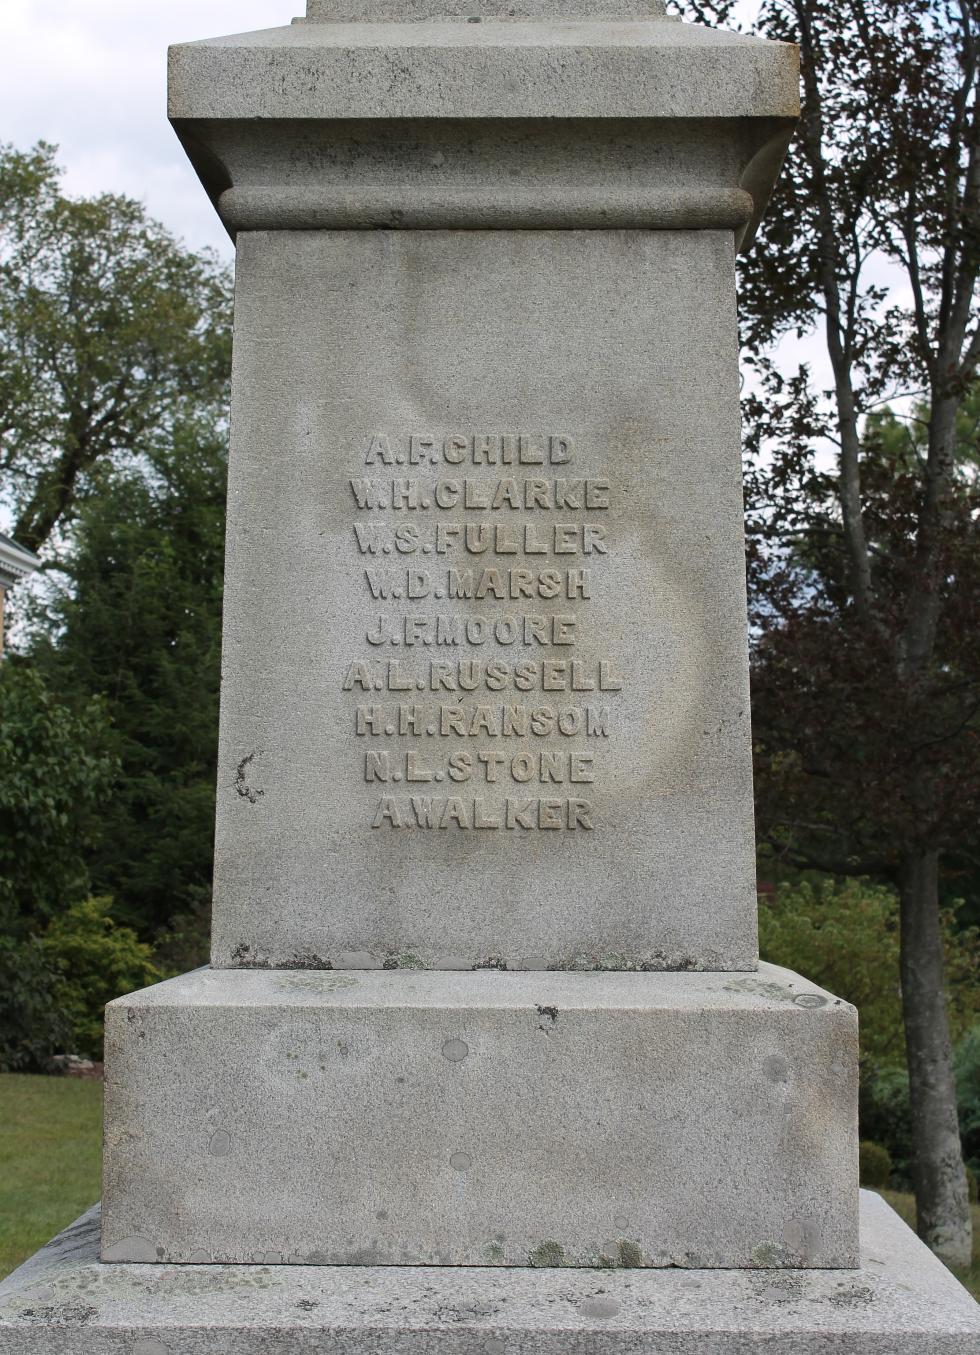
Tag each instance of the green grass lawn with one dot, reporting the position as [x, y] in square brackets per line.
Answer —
[50, 1151]
[50, 1159]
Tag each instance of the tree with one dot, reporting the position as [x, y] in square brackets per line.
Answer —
[115, 345]
[863, 575]
[137, 620]
[33, 1023]
[111, 333]
[57, 771]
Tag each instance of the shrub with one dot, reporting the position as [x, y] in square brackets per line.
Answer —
[33, 1024]
[55, 773]
[876, 1164]
[968, 1095]
[97, 961]
[886, 1119]
[845, 938]
[185, 943]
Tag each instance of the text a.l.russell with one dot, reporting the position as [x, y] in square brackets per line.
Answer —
[516, 813]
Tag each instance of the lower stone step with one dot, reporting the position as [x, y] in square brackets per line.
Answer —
[482, 1119]
[901, 1301]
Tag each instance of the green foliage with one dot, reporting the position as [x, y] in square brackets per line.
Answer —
[138, 621]
[97, 961]
[837, 722]
[863, 567]
[111, 334]
[33, 1024]
[962, 963]
[968, 1097]
[185, 943]
[886, 1117]
[114, 372]
[56, 772]
[845, 936]
[876, 1164]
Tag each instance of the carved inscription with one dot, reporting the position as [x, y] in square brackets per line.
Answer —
[480, 562]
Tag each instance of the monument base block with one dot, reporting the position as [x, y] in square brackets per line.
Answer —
[65, 1302]
[485, 1119]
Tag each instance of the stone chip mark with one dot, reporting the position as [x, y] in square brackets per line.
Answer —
[242, 787]
[131, 1249]
[220, 1145]
[600, 1308]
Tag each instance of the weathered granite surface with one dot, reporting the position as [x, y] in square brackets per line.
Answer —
[485, 695]
[690, 1120]
[360, 11]
[446, 69]
[528, 122]
[901, 1301]
[532, 173]
[535, 750]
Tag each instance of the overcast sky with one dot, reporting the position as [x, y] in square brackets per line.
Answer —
[91, 76]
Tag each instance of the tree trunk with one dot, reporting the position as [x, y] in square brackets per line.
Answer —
[941, 1196]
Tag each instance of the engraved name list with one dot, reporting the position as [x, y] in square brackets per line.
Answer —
[480, 559]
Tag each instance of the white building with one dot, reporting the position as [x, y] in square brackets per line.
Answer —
[16, 563]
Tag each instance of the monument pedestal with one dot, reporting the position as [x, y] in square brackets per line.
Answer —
[487, 1118]
[485, 760]
[900, 1301]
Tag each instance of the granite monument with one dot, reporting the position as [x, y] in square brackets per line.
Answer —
[485, 1060]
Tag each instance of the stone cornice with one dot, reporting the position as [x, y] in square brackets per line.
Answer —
[571, 69]
[475, 11]
[517, 124]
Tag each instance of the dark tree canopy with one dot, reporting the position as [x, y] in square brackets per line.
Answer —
[862, 498]
[137, 620]
[56, 769]
[844, 742]
[114, 374]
